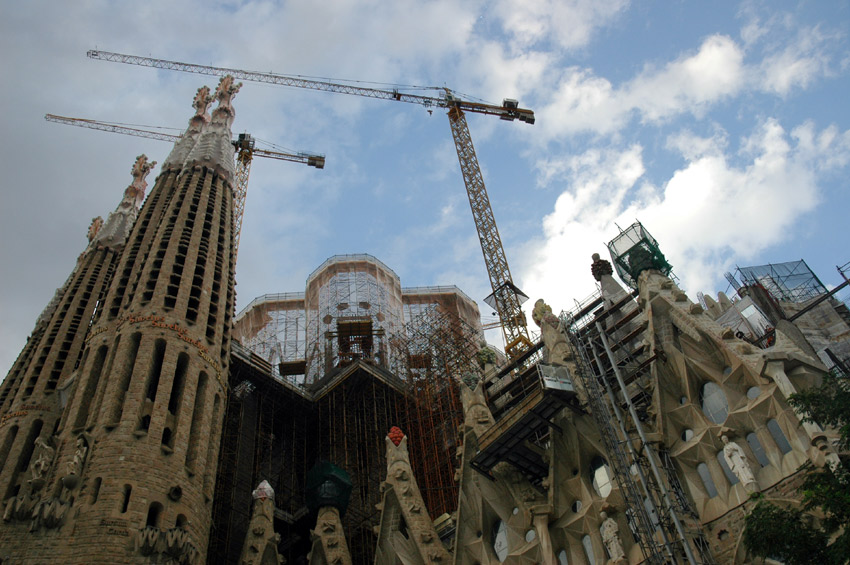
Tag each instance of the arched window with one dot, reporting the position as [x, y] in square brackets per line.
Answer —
[600, 476]
[125, 502]
[587, 543]
[707, 481]
[499, 539]
[95, 490]
[687, 434]
[778, 436]
[562, 557]
[730, 476]
[154, 512]
[714, 404]
[758, 450]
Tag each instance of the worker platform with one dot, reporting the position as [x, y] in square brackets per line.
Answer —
[527, 401]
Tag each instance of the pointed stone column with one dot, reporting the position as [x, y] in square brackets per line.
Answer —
[36, 388]
[261, 541]
[402, 503]
[329, 545]
[328, 492]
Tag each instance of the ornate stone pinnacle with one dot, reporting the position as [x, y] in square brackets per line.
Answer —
[600, 267]
[224, 93]
[396, 435]
[140, 171]
[202, 102]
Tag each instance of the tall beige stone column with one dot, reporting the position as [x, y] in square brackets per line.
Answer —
[139, 439]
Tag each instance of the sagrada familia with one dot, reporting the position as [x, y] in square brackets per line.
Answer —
[363, 422]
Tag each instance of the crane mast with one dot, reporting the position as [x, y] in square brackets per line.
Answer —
[245, 152]
[506, 298]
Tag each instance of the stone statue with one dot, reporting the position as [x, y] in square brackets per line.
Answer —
[737, 461]
[542, 313]
[41, 462]
[610, 537]
[75, 467]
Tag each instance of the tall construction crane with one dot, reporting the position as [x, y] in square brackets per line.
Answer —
[245, 153]
[506, 298]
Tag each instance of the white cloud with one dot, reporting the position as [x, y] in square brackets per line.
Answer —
[795, 64]
[569, 24]
[720, 205]
[690, 84]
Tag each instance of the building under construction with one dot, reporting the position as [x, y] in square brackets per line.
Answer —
[321, 376]
[140, 416]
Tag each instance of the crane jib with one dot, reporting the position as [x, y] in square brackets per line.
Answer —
[507, 297]
[507, 111]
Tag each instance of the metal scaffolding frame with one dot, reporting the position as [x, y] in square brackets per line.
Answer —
[792, 281]
[277, 429]
[612, 361]
[347, 289]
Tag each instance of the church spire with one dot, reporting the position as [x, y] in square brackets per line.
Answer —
[214, 147]
[197, 124]
[113, 233]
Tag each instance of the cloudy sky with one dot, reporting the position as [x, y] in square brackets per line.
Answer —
[724, 127]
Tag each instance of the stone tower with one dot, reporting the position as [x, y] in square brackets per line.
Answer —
[136, 446]
[31, 396]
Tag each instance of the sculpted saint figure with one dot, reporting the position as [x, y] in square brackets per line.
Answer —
[737, 461]
[75, 467]
[610, 537]
[42, 459]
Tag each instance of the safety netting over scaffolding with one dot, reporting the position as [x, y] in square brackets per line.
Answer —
[793, 281]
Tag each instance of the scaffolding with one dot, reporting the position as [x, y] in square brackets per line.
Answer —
[353, 308]
[351, 300]
[274, 326]
[793, 281]
[438, 348]
[370, 372]
[633, 251]
[270, 433]
[614, 366]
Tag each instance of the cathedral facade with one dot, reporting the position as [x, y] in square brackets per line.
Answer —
[639, 428]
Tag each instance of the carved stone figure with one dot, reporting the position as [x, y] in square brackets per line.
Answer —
[75, 467]
[542, 313]
[610, 537]
[41, 462]
[737, 461]
[260, 547]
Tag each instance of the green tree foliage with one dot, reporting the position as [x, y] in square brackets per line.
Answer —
[789, 534]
